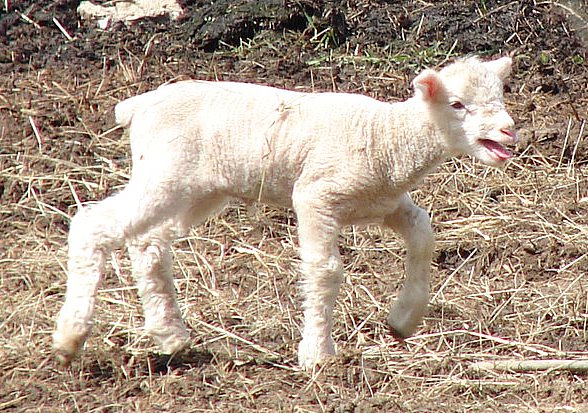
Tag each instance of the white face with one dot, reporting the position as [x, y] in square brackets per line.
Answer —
[475, 97]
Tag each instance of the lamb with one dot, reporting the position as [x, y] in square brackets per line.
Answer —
[335, 158]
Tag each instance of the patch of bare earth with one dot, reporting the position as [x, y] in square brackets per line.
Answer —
[511, 263]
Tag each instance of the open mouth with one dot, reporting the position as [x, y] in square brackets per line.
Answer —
[496, 149]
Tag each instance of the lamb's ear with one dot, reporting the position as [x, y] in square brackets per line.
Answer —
[501, 67]
[428, 86]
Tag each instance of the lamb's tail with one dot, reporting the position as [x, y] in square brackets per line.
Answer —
[125, 110]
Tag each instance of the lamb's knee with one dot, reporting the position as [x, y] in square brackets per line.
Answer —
[96, 227]
[412, 223]
[420, 233]
[321, 279]
[319, 267]
[149, 260]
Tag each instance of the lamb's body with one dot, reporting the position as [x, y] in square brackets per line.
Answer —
[336, 159]
[283, 141]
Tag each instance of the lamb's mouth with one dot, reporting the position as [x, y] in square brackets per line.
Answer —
[495, 149]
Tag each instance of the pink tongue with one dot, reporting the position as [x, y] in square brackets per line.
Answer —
[496, 149]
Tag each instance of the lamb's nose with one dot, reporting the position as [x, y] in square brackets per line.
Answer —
[511, 134]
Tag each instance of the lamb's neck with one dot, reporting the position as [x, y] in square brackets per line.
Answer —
[415, 143]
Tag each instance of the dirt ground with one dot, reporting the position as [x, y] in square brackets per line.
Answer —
[509, 274]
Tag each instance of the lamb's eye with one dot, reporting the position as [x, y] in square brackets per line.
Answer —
[457, 105]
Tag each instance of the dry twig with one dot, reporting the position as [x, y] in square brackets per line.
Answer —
[531, 365]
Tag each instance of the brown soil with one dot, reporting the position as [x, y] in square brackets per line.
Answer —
[509, 272]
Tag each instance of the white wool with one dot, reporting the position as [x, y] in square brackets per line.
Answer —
[335, 158]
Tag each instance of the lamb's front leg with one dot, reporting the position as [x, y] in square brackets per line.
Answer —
[413, 224]
[152, 261]
[321, 270]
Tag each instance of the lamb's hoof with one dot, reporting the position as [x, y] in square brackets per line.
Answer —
[402, 328]
[64, 358]
[311, 353]
[67, 347]
[175, 343]
[397, 334]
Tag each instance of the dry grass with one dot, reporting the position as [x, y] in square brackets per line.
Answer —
[509, 274]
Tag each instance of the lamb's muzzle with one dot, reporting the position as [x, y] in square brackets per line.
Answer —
[335, 158]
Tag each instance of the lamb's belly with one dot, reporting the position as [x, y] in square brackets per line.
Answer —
[275, 198]
[371, 211]
[379, 220]
[268, 192]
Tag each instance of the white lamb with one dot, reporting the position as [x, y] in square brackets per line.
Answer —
[335, 158]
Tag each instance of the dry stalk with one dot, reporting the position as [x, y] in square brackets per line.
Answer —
[531, 365]
[63, 30]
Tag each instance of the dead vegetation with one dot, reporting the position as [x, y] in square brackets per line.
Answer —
[510, 268]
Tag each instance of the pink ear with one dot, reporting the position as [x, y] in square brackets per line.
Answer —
[429, 85]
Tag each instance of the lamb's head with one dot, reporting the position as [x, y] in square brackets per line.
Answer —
[469, 94]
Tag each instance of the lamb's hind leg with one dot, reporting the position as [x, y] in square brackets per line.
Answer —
[152, 261]
[413, 224]
[94, 231]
